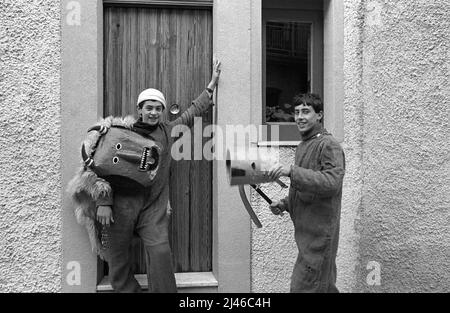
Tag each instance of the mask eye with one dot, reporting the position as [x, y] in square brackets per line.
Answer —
[115, 160]
[119, 146]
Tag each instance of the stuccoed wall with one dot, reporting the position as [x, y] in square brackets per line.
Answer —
[30, 220]
[396, 191]
[404, 215]
[273, 246]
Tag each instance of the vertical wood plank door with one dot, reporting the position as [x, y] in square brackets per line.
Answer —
[169, 49]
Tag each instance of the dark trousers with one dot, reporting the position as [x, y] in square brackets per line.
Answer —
[159, 271]
[150, 223]
[314, 275]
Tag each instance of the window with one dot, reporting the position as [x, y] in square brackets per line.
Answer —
[292, 62]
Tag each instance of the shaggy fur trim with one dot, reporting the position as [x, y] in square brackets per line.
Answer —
[86, 187]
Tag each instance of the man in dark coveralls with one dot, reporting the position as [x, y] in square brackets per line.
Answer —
[314, 200]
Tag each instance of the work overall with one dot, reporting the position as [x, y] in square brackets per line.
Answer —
[143, 212]
[314, 204]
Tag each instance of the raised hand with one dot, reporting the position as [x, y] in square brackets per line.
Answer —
[215, 73]
[278, 170]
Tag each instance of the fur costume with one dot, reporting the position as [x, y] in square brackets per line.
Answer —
[86, 187]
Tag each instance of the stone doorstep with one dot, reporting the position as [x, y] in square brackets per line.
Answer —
[184, 280]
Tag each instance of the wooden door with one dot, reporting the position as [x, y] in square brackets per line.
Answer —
[169, 49]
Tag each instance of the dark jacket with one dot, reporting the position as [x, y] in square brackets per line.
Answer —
[314, 204]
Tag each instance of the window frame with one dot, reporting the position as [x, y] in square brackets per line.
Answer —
[287, 132]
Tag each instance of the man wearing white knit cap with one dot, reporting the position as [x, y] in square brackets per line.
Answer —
[150, 105]
[152, 94]
[144, 211]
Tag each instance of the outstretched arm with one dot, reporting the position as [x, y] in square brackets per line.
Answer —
[328, 180]
[202, 103]
[323, 183]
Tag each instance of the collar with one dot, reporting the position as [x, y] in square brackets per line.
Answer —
[313, 133]
[144, 128]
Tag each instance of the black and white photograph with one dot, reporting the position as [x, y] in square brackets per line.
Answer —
[232, 150]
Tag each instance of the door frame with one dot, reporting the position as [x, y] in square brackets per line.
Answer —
[163, 3]
[191, 220]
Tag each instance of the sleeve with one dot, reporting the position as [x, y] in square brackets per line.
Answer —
[105, 199]
[327, 181]
[197, 108]
[285, 204]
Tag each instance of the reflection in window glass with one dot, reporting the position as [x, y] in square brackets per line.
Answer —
[287, 67]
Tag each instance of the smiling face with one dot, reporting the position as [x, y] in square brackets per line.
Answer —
[151, 111]
[306, 118]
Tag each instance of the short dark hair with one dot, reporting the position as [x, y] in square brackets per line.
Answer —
[310, 99]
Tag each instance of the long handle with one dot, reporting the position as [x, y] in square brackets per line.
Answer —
[262, 194]
[248, 207]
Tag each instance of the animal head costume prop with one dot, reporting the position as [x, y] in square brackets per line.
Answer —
[124, 155]
[111, 152]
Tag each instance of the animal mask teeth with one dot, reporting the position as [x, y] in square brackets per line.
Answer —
[144, 166]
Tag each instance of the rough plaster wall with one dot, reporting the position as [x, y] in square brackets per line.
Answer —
[347, 257]
[404, 213]
[30, 221]
[273, 247]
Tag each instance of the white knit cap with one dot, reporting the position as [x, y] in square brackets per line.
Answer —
[151, 94]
